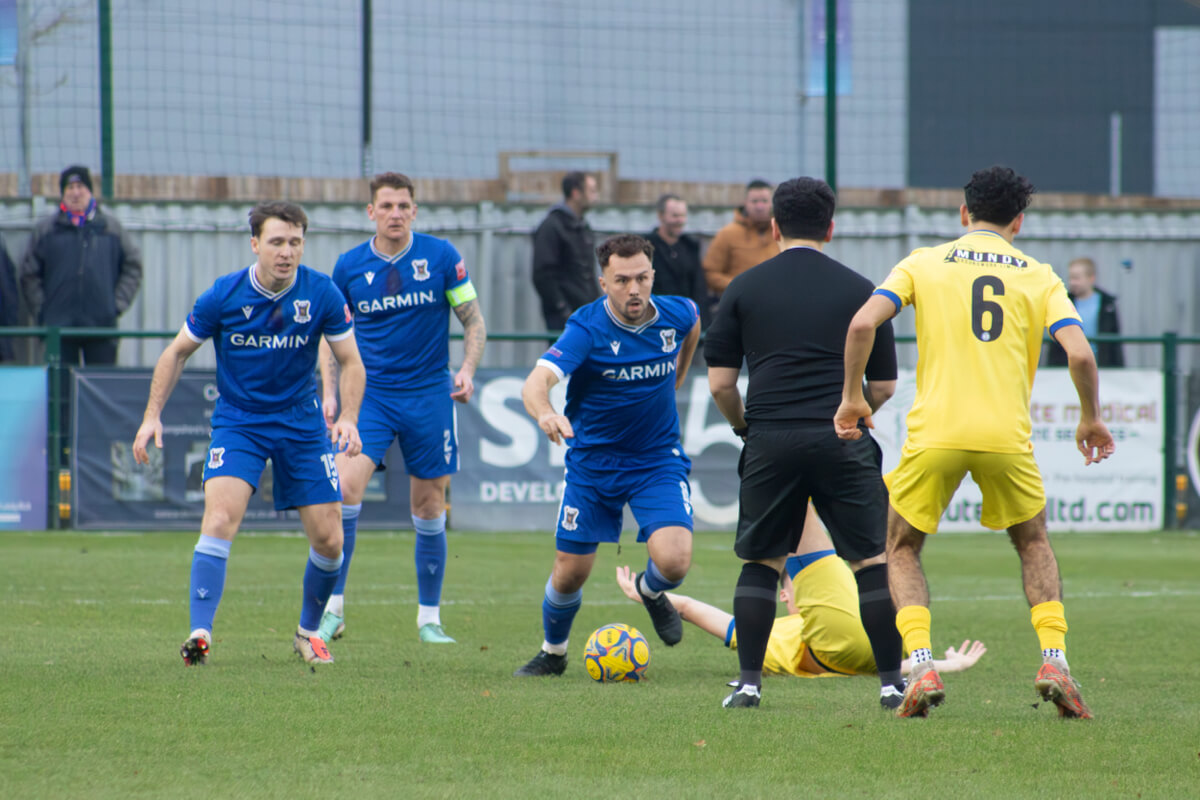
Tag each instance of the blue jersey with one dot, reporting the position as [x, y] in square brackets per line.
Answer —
[621, 396]
[400, 306]
[266, 342]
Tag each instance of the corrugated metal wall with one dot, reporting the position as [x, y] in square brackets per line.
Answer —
[1150, 260]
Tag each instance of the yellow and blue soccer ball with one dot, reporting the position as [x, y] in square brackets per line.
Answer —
[616, 652]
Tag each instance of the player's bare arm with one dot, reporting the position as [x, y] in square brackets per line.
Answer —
[351, 386]
[686, 351]
[877, 393]
[328, 365]
[536, 396]
[166, 374]
[474, 339]
[1092, 436]
[722, 383]
[860, 338]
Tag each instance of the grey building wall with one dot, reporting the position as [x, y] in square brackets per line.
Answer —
[1033, 85]
[1150, 259]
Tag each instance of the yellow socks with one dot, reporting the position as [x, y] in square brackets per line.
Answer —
[1051, 627]
[913, 624]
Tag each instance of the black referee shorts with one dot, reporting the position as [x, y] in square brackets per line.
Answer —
[785, 464]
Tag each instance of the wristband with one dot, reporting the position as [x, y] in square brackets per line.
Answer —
[741, 432]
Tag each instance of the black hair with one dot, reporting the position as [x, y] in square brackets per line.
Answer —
[997, 195]
[803, 208]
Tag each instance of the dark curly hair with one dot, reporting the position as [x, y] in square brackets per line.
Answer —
[625, 245]
[997, 195]
[803, 208]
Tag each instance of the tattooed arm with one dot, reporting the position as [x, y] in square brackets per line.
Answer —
[474, 338]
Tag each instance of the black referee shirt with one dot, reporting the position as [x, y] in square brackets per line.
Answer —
[788, 317]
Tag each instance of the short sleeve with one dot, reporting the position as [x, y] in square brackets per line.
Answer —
[458, 286]
[205, 320]
[337, 322]
[899, 285]
[723, 342]
[571, 350]
[1060, 310]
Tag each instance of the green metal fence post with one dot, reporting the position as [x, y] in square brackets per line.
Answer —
[831, 18]
[1170, 361]
[107, 172]
[54, 375]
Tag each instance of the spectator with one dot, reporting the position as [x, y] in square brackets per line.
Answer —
[80, 270]
[744, 243]
[10, 306]
[1098, 310]
[564, 264]
[677, 269]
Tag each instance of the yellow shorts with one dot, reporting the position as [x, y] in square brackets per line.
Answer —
[924, 481]
[828, 625]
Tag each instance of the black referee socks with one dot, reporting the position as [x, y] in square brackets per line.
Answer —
[754, 615]
[879, 620]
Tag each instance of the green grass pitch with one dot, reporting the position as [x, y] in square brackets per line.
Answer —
[95, 702]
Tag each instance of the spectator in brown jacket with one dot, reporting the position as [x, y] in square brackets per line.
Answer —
[743, 243]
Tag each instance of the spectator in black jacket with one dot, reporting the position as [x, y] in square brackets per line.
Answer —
[10, 303]
[677, 268]
[1098, 310]
[564, 258]
[80, 270]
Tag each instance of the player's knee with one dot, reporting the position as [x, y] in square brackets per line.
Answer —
[674, 566]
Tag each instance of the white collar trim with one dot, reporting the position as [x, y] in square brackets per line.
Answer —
[625, 325]
[264, 291]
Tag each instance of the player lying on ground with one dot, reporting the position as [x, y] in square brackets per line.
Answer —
[822, 633]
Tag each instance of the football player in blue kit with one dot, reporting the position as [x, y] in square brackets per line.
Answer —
[402, 287]
[265, 322]
[626, 355]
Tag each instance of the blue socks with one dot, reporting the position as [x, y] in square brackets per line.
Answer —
[349, 532]
[558, 613]
[320, 575]
[654, 580]
[208, 580]
[430, 558]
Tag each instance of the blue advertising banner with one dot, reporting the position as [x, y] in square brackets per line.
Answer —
[816, 48]
[114, 492]
[23, 442]
[8, 31]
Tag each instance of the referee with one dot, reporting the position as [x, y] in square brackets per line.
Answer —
[787, 318]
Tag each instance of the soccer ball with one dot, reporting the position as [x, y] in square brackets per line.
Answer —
[616, 652]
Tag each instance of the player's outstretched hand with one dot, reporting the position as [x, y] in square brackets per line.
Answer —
[329, 407]
[345, 438]
[964, 657]
[625, 581]
[845, 421]
[145, 432]
[464, 386]
[1094, 441]
[556, 426]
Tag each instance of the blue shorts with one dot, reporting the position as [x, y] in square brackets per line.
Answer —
[598, 487]
[296, 442]
[424, 425]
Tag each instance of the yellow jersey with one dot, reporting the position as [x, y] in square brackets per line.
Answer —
[982, 306]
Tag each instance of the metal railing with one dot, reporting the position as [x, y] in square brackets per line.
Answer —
[52, 337]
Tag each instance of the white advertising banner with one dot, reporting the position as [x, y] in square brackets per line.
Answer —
[511, 477]
[1124, 493]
